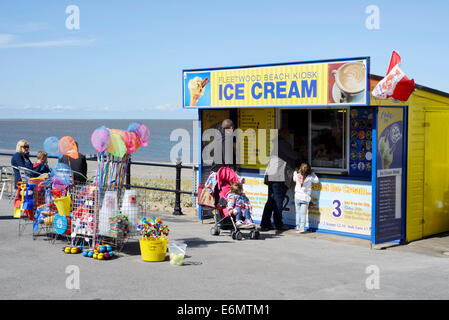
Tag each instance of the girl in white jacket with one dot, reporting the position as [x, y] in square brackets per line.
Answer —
[304, 177]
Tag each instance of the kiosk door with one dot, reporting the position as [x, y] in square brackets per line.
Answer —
[436, 173]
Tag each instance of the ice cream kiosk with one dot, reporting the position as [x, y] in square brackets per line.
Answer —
[382, 164]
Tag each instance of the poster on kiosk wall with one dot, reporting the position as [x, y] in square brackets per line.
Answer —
[339, 206]
[389, 163]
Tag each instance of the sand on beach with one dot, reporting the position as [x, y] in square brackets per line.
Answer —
[149, 176]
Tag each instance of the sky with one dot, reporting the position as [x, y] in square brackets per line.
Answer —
[125, 60]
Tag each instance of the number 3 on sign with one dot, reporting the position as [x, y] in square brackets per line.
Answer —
[337, 210]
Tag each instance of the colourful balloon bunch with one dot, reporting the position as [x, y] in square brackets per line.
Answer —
[114, 147]
[153, 228]
[120, 142]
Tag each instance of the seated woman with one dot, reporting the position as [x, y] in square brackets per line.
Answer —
[21, 159]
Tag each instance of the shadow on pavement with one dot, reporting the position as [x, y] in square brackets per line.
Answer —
[7, 217]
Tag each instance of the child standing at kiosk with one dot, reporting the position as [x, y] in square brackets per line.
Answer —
[304, 177]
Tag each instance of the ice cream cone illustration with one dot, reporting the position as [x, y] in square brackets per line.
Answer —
[386, 151]
[197, 87]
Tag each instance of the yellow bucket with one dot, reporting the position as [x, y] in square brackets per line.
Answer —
[64, 205]
[153, 249]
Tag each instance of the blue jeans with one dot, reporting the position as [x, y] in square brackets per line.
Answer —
[239, 214]
[273, 206]
[301, 214]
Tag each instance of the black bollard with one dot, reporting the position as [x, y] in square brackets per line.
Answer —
[177, 210]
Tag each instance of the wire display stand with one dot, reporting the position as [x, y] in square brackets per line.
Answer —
[30, 197]
[103, 216]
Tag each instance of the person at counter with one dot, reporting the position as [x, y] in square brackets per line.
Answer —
[304, 177]
[227, 159]
[278, 177]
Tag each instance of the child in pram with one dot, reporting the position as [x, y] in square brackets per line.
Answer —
[224, 219]
[240, 206]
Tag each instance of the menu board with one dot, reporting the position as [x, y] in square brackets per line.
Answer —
[360, 153]
[255, 139]
[389, 162]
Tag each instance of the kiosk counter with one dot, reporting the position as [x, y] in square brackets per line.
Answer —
[382, 164]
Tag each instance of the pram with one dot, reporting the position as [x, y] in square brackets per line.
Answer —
[223, 220]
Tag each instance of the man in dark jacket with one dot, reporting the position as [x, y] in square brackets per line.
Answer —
[279, 177]
[228, 159]
[79, 166]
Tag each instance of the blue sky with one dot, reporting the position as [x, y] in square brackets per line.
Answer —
[126, 59]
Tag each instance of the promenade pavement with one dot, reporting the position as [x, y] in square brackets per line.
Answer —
[275, 267]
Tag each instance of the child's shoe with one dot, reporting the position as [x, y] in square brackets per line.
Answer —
[249, 224]
[298, 229]
[239, 223]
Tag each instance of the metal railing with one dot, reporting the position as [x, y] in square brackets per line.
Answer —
[178, 167]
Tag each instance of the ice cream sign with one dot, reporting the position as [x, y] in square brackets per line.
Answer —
[338, 82]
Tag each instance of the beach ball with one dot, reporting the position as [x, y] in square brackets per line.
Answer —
[111, 254]
[108, 248]
[90, 254]
[101, 249]
[85, 253]
[67, 249]
[106, 256]
[100, 256]
[95, 255]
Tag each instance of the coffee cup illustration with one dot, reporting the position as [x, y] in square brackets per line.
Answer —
[350, 81]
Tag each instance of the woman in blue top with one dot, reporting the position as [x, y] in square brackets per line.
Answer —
[21, 159]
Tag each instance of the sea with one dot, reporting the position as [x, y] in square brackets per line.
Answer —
[35, 131]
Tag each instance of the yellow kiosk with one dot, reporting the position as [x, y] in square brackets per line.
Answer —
[382, 164]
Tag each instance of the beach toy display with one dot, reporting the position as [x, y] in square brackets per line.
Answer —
[84, 212]
[72, 249]
[118, 226]
[100, 252]
[130, 207]
[153, 240]
[108, 209]
[62, 224]
[64, 205]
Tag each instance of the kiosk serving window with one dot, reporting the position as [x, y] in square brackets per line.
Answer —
[319, 136]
